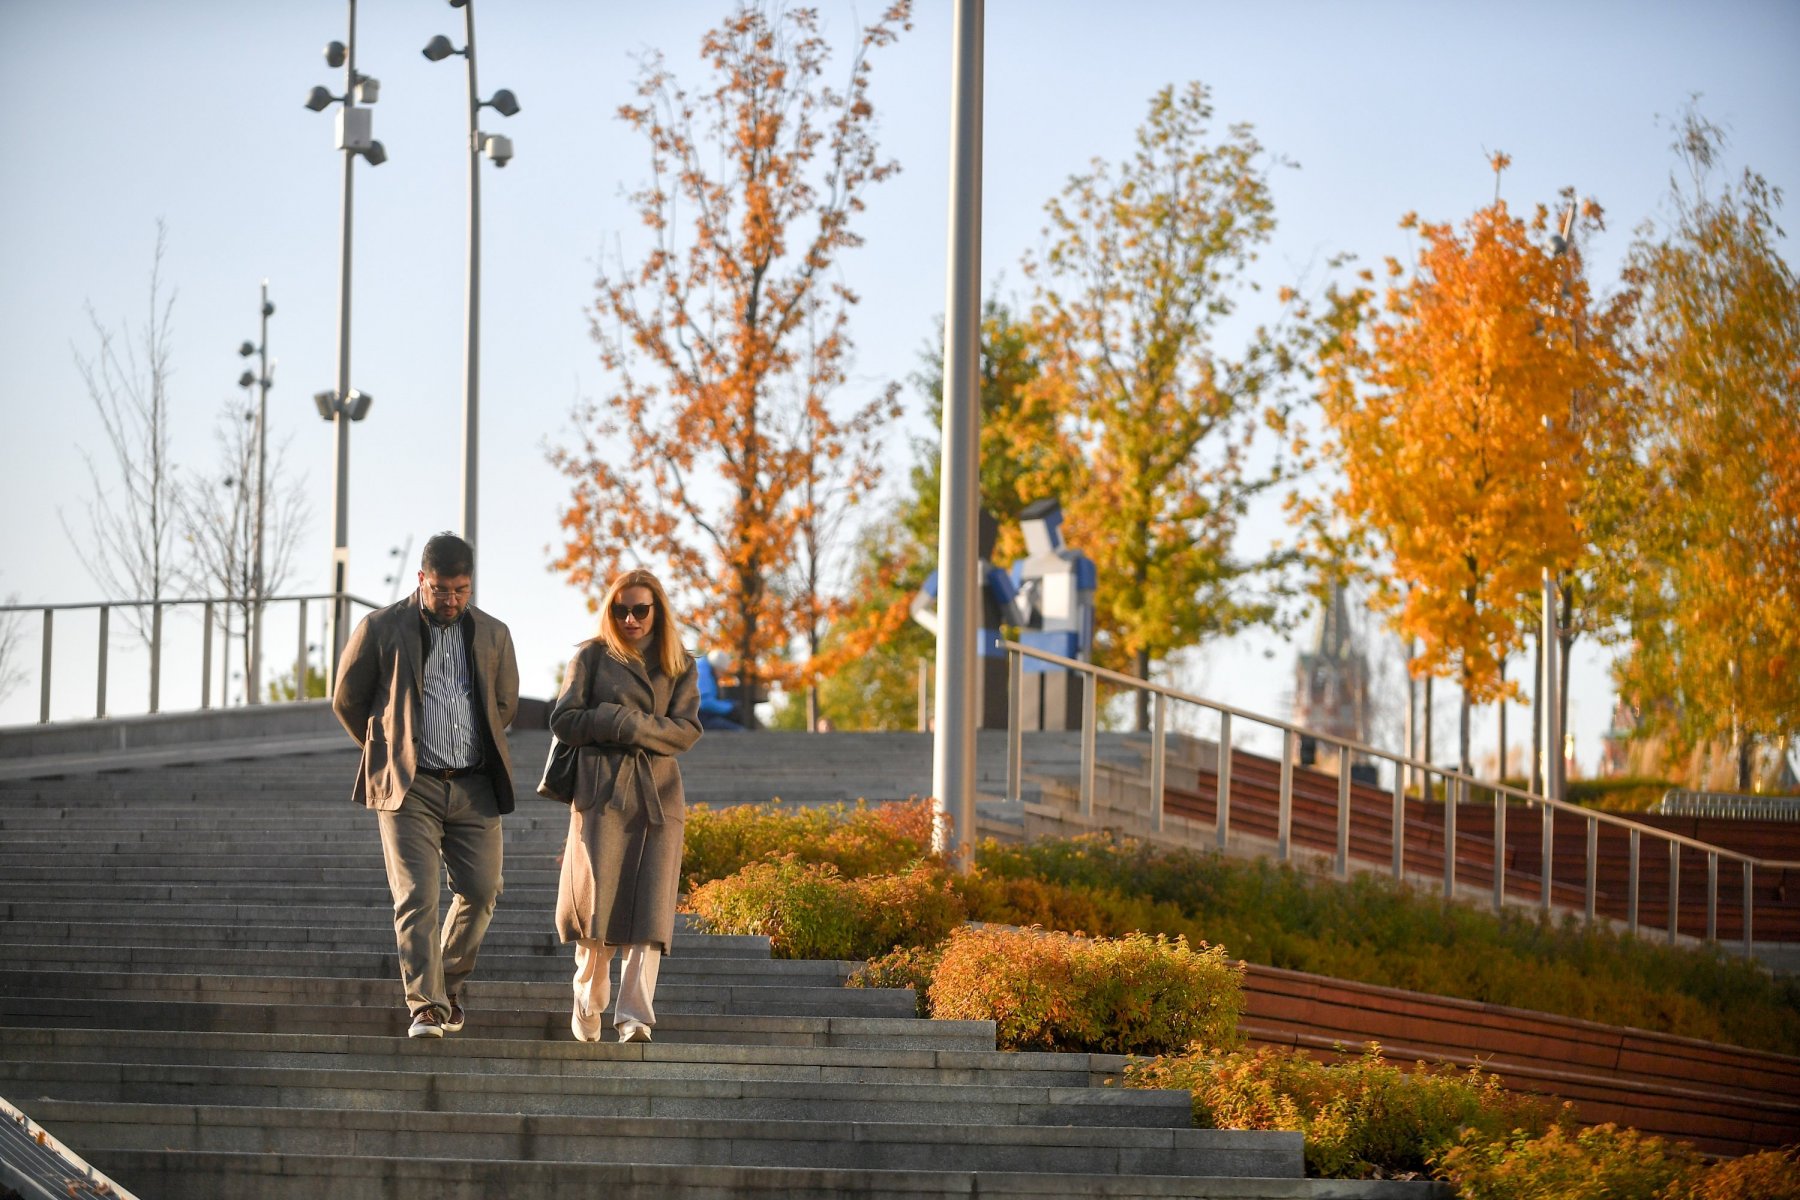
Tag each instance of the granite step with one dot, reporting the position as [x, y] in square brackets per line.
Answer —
[199, 1175]
[831, 1145]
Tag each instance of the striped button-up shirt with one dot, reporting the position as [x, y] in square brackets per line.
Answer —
[449, 736]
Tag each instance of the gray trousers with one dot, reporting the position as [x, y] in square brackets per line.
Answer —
[441, 825]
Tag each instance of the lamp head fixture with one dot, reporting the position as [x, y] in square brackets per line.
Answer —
[319, 99]
[439, 48]
[334, 54]
[246, 350]
[504, 103]
[375, 152]
[246, 379]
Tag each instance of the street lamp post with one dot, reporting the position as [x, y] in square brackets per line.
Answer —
[354, 137]
[263, 380]
[499, 148]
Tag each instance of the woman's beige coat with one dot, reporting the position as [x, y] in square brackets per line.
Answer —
[621, 869]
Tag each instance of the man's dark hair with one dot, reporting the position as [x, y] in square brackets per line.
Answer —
[447, 556]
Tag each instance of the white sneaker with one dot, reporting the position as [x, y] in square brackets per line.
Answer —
[585, 1028]
[634, 1031]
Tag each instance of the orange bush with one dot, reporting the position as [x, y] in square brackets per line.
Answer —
[1051, 991]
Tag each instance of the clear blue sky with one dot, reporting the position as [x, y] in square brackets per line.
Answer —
[190, 110]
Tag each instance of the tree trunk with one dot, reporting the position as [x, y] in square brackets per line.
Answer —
[1464, 712]
[1537, 719]
[1500, 769]
[1426, 790]
[1141, 664]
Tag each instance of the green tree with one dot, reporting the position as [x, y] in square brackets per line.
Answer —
[1145, 262]
[1717, 625]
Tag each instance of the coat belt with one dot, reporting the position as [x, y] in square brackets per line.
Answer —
[636, 777]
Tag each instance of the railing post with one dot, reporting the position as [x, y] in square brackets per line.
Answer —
[1090, 721]
[156, 656]
[1452, 789]
[1158, 751]
[1547, 845]
[1015, 726]
[206, 637]
[1284, 821]
[1674, 889]
[100, 672]
[1593, 866]
[1499, 849]
[300, 658]
[1343, 813]
[1712, 896]
[1400, 770]
[1222, 815]
[1631, 890]
[44, 679]
[1749, 876]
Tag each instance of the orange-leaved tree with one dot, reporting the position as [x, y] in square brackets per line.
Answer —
[1146, 261]
[1717, 629]
[728, 339]
[1450, 404]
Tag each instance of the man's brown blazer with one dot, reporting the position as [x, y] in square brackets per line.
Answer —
[380, 692]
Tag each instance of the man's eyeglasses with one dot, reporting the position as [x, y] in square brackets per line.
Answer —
[444, 593]
[637, 612]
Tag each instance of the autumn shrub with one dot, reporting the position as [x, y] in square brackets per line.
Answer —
[1362, 1117]
[901, 967]
[1564, 1163]
[859, 840]
[812, 910]
[1771, 1175]
[1372, 930]
[1052, 991]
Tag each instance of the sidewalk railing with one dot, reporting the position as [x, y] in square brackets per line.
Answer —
[1457, 788]
[211, 607]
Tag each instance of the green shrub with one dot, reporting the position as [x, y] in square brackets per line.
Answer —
[1051, 991]
[1362, 1117]
[861, 840]
[1602, 1162]
[811, 910]
[1374, 931]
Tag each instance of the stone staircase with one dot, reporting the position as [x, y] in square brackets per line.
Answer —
[198, 995]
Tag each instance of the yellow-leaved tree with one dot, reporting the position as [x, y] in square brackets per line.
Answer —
[1450, 402]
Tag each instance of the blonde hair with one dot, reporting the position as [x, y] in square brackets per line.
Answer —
[668, 652]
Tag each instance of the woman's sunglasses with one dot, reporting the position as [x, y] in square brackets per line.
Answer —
[637, 612]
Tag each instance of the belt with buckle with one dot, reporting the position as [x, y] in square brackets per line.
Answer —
[448, 773]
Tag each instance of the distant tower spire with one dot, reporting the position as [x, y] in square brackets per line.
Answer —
[1331, 682]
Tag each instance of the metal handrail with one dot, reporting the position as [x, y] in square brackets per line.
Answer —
[1456, 783]
[104, 609]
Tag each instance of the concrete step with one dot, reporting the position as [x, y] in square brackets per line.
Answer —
[827, 1145]
[721, 1095]
[674, 994]
[204, 1176]
[565, 1057]
[76, 916]
[542, 968]
[733, 1028]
